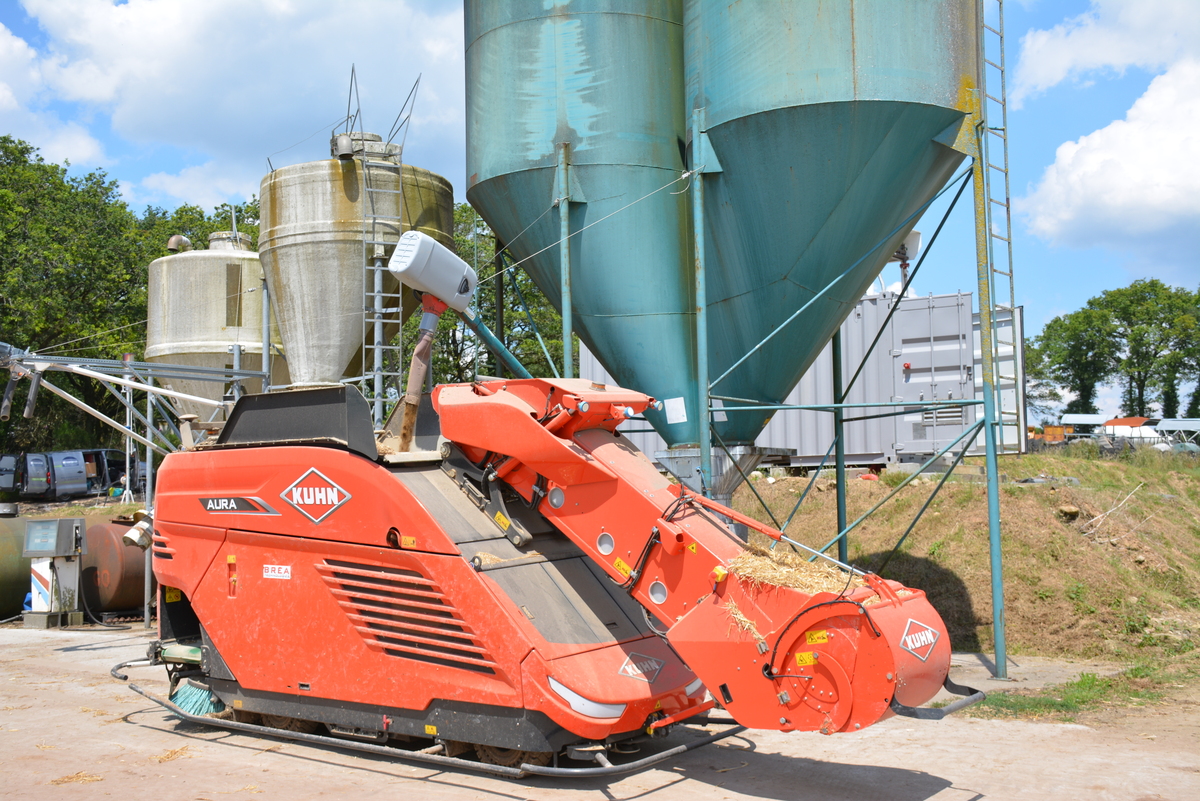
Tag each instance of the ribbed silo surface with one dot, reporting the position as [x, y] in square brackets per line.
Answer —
[832, 123]
[201, 302]
[315, 218]
[605, 77]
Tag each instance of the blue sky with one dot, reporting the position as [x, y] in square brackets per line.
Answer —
[183, 102]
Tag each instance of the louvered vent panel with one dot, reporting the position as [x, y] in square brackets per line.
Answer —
[162, 547]
[404, 614]
[950, 416]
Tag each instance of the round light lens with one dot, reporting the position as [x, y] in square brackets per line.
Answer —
[605, 543]
[557, 498]
[658, 592]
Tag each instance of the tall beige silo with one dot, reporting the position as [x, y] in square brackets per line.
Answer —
[322, 223]
[202, 302]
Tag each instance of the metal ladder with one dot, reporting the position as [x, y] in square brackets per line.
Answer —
[378, 305]
[999, 226]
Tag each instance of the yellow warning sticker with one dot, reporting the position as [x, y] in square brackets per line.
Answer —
[502, 521]
[431, 730]
[408, 542]
[237, 703]
[231, 559]
[816, 637]
[806, 658]
[622, 568]
[692, 547]
[172, 595]
[658, 704]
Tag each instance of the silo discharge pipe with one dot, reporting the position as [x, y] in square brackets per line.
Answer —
[6, 404]
[419, 367]
[446, 282]
[35, 383]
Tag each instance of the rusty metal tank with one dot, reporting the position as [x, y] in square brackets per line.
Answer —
[114, 573]
[320, 223]
[202, 302]
[14, 568]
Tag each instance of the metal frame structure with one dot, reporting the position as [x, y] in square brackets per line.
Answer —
[988, 274]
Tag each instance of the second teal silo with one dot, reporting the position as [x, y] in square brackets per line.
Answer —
[832, 122]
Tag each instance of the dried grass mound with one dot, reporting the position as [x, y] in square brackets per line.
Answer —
[485, 558]
[779, 568]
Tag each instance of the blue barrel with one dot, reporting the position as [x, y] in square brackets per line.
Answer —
[605, 77]
[832, 123]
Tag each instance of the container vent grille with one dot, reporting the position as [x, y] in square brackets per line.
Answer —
[405, 615]
[952, 416]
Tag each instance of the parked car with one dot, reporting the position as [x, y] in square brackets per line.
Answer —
[65, 474]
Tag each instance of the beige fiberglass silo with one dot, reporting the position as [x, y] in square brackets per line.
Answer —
[321, 226]
[202, 302]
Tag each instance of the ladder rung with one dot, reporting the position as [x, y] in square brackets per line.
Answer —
[1003, 203]
[998, 168]
[998, 271]
[999, 132]
[1001, 238]
[993, 30]
[993, 63]
[994, 99]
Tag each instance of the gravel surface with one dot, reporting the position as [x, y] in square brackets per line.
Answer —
[68, 730]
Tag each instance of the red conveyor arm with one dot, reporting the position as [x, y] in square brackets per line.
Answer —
[774, 657]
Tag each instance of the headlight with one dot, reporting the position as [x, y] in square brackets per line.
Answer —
[584, 706]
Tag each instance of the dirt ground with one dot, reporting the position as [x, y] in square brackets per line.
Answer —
[68, 730]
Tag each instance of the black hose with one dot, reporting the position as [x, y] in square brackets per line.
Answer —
[130, 663]
[87, 611]
[11, 619]
[630, 767]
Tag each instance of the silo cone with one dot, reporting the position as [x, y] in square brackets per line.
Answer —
[832, 123]
[311, 241]
[605, 78]
[429, 208]
[201, 302]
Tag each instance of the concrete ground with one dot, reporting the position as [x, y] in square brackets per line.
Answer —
[68, 730]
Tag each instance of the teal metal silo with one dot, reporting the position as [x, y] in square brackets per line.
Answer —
[584, 99]
[832, 122]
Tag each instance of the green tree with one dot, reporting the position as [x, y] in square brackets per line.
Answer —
[72, 281]
[1077, 351]
[1156, 327]
[1041, 395]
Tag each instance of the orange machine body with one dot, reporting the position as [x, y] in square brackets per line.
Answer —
[392, 596]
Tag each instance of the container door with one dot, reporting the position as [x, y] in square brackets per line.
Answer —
[69, 475]
[8, 472]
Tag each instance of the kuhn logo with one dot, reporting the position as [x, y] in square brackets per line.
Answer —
[919, 639]
[315, 496]
[641, 667]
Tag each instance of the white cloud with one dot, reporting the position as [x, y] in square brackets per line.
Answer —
[1112, 35]
[1134, 184]
[223, 83]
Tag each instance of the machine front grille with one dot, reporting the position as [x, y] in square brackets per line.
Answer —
[404, 614]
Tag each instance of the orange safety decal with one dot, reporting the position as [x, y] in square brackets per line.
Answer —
[692, 547]
[816, 637]
[408, 542]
